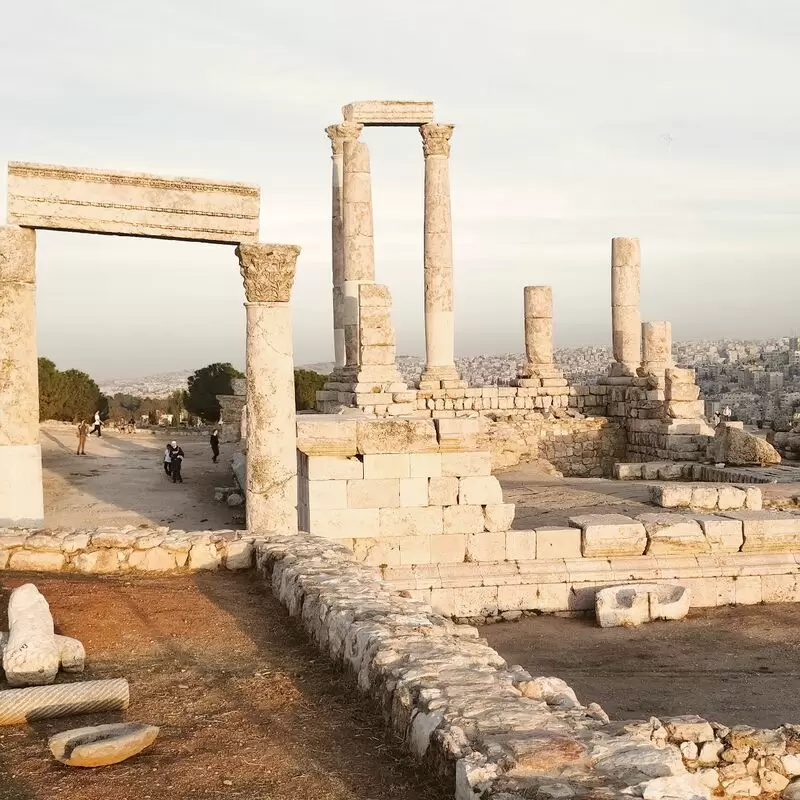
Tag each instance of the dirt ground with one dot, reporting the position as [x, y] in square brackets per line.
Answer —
[735, 665]
[247, 707]
[121, 481]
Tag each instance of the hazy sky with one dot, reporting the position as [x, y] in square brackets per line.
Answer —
[575, 121]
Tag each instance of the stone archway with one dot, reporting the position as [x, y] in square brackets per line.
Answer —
[42, 196]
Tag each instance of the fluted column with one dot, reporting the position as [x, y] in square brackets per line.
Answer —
[438, 253]
[271, 492]
[625, 314]
[656, 346]
[338, 135]
[21, 498]
[359, 254]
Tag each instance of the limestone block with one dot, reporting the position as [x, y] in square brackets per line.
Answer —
[324, 468]
[448, 548]
[673, 534]
[328, 494]
[443, 491]
[326, 435]
[723, 535]
[97, 562]
[43, 542]
[238, 554]
[686, 392]
[377, 355]
[730, 498]
[387, 465]
[480, 491]
[680, 375]
[413, 492]
[747, 590]
[382, 336]
[628, 472]
[204, 555]
[766, 531]
[415, 549]
[637, 603]
[26, 561]
[463, 519]
[498, 517]
[74, 542]
[31, 655]
[458, 434]
[735, 446]
[106, 537]
[98, 201]
[753, 498]
[373, 493]
[374, 295]
[534, 597]
[554, 542]
[389, 112]
[610, 535]
[681, 409]
[352, 523]
[486, 546]
[704, 497]
[425, 465]
[156, 559]
[462, 465]
[521, 545]
[410, 521]
[376, 552]
[780, 589]
[672, 495]
[100, 745]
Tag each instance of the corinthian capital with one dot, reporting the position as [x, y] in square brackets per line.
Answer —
[268, 271]
[436, 139]
[339, 134]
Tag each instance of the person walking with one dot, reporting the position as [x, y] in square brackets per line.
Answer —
[83, 432]
[215, 445]
[97, 424]
[168, 460]
[177, 462]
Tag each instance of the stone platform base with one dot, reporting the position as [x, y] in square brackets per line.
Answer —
[21, 498]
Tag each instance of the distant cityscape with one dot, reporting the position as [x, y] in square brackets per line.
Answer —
[759, 380]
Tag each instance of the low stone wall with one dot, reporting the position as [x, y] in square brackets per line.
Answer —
[114, 550]
[684, 470]
[577, 447]
[706, 497]
[496, 731]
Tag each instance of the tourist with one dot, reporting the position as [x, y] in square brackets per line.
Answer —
[168, 460]
[177, 455]
[97, 424]
[215, 445]
[83, 432]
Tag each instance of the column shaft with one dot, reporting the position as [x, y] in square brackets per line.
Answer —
[338, 134]
[538, 305]
[271, 472]
[21, 498]
[438, 255]
[625, 313]
[359, 253]
[656, 346]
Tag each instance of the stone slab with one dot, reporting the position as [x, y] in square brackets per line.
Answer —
[396, 436]
[326, 435]
[21, 497]
[131, 204]
[673, 534]
[767, 531]
[389, 112]
[610, 535]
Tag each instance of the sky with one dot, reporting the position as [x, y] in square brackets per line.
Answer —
[575, 122]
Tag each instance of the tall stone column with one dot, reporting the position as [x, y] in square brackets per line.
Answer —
[656, 346]
[438, 251]
[338, 135]
[359, 252]
[538, 305]
[271, 476]
[625, 315]
[21, 498]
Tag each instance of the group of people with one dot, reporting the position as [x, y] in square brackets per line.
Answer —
[174, 455]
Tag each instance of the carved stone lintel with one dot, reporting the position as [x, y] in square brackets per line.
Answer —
[341, 133]
[268, 271]
[436, 139]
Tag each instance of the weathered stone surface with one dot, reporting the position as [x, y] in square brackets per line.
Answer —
[31, 655]
[675, 787]
[730, 498]
[26, 561]
[100, 745]
[499, 516]
[396, 436]
[735, 446]
[326, 435]
[672, 495]
[99, 561]
[723, 535]
[673, 534]
[689, 728]
[610, 535]
[767, 531]
[97, 201]
[480, 491]
[634, 604]
[389, 112]
[154, 560]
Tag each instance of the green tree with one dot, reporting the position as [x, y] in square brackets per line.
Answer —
[68, 396]
[205, 385]
[306, 385]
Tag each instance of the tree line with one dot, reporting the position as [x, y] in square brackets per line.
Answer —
[72, 395]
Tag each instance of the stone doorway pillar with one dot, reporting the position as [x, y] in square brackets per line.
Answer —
[339, 134]
[271, 478]
[439, 320]
[21, 497]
